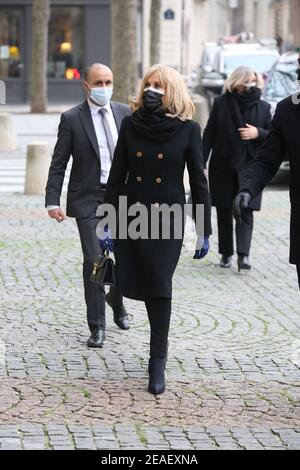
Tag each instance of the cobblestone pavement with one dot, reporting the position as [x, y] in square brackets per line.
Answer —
[234, 356]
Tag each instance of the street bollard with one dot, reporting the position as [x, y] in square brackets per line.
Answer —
[201, 110]
[37, 167]
[8, 141]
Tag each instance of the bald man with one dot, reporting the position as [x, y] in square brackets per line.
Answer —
[89, 133]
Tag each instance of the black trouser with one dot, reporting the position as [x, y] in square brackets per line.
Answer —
[298, 272]
[159, 313]
[94, 294]
[243, 232]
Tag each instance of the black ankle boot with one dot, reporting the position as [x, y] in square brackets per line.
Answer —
[156, 375]
[243, 263]
[225, 261]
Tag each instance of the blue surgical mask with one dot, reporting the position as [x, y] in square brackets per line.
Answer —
[101, 95]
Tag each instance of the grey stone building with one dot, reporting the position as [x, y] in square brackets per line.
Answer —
[79, 34]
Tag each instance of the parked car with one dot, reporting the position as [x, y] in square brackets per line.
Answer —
[282, 79]
[208, 55]
[280, 83]
[227, 58]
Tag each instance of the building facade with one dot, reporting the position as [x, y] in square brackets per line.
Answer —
[285, 16]
[185, 26]
[79, 34]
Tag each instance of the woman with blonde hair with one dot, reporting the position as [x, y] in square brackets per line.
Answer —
[238, 125]
[155, 143]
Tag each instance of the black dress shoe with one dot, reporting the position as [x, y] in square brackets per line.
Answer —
[243, 263]
[120, 315]
[96, 339]
[225, 261]
[156, 375]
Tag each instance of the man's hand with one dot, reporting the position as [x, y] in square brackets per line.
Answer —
[241, 202]
[57, 214]
[248, 133]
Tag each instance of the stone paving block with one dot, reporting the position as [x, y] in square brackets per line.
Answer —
[233, 368]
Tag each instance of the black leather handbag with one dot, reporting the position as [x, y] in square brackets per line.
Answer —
[103, 272]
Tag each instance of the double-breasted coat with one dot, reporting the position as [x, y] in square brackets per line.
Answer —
[284, 138]
[223, 179]
[150, 172]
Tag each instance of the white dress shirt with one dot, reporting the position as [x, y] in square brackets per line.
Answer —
[101, 139]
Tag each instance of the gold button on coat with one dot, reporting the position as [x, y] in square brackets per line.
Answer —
[139, 179]
[158, 180]
[160, 156]
[139, 154]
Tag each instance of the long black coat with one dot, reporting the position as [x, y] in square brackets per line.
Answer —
[151, 173]
[77, 137]
[283, 138]
[224, 180]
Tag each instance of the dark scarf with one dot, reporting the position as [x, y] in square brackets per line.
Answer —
[241, 109]
[154, 126]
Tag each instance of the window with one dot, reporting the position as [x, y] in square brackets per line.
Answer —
[66, 41]
[10, 54]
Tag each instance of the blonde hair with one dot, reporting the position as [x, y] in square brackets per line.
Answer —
[240, 76]
[178, 103]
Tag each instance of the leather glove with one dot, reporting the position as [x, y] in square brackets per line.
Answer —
[241, 202]
[202, 247]
[105, 240]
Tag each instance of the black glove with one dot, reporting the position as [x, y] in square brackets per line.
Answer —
[241, 202]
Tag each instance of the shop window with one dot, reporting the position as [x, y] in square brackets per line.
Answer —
[10, 55]
[66, 42]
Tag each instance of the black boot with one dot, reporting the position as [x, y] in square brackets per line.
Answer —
[225, 261]
[243, 263]
[165, 358]
[120, 315]
[156, 375]
[97, 338]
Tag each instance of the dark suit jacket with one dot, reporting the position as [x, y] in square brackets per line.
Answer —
[283, 138]
[77, 137]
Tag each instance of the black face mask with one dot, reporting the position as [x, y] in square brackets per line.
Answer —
[152, 101]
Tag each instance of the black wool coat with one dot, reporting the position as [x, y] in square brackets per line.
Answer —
[151, 173]
[224, 180]
[283, 139]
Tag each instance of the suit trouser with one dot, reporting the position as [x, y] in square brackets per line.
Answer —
[243, 232]
[159, 314]
[94, 294]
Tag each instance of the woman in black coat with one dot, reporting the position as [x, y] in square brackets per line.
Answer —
[154, 145]
[238, 125]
